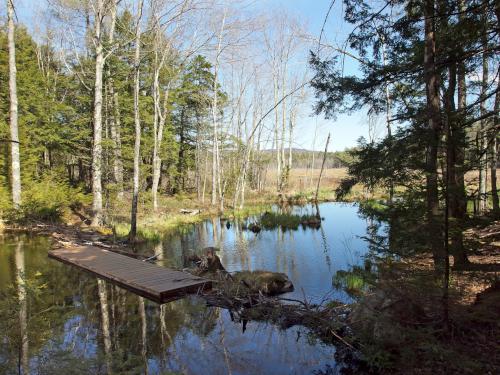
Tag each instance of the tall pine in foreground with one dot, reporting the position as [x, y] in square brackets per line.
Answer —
[423, 52]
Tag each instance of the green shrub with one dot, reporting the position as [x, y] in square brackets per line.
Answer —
[47, 199]
[5, 200]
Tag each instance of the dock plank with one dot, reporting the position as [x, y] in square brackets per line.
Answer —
[156, 283]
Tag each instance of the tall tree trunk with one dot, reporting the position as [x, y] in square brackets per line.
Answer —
[284, 171]
[455, 156]
[458, 198]
[455, 191]
[115, 128]
[115, 122]
[97, 218]
[431, 77]
[496, 143]
[215, 146]
[387, 112]
[494, 152]
[482, 199]
[276, 134]
[137, 122]
[14, 131]
[158, 138]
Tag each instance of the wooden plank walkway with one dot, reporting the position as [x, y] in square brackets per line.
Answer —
[156, 283]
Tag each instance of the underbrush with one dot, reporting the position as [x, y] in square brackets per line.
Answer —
[48, 199]
[403, 324]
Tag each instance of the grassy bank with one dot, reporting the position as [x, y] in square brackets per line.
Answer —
[176, 212]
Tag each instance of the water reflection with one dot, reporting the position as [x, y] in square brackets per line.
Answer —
[54, 319]
[310, 257]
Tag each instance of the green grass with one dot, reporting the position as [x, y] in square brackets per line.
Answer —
[152, 227]
[272, 220]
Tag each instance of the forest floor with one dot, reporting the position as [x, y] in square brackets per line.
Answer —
[407, 323]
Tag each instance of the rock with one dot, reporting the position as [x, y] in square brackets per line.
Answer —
[269, 283]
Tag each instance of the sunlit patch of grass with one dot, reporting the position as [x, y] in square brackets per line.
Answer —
[355, 282]
[249, 211]
[374, 205]
[154, 227]
[271, 220]
[351, 283]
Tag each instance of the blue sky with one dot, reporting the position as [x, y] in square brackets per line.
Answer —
[345, 129]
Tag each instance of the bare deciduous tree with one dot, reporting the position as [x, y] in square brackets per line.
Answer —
[137, 123]
[14, 131]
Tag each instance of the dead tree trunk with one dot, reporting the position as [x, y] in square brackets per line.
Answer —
[322, 167]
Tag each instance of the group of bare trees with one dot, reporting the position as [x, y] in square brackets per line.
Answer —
[258, 67]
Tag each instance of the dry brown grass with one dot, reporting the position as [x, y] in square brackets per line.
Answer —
[301, 179]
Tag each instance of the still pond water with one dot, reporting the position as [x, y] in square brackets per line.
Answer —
[55, 324]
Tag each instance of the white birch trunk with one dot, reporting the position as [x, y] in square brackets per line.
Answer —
[115, 122]
[137, 123]
[14, 131]
[215, 147]
[97, 216]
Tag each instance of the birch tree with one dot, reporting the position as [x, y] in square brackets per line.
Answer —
[99, 10]
[13, 115]
[115, 123]
[137, 124]
[216, 184]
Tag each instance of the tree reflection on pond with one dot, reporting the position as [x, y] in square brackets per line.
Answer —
[55, 319]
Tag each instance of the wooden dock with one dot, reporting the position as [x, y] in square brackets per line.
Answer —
[153, 282]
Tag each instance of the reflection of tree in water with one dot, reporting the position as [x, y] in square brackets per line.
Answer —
[32, 316]
[404, 234]
[55, 318]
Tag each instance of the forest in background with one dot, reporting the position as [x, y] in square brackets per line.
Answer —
[118, 98]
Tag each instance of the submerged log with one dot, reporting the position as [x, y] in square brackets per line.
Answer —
[189, 212]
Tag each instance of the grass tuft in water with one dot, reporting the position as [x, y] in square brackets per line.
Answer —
[272, 220]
